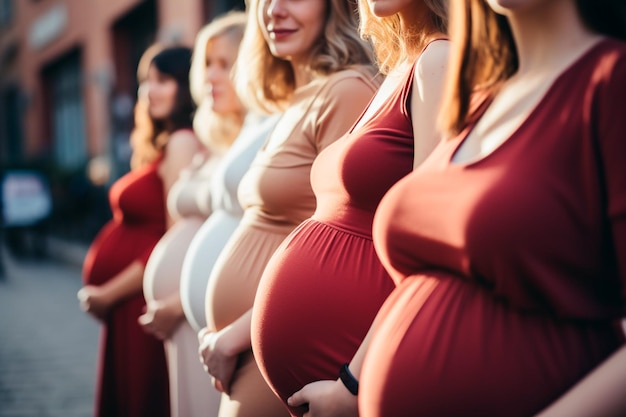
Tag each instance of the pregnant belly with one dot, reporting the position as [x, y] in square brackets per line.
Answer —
[162, 275]
[316, 301]
[446, 347]
[235, 277]
[114, 249]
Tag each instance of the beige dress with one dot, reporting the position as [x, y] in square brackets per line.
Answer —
[191, 390]
[276, 196]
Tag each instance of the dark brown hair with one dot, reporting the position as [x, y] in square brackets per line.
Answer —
[175, 62]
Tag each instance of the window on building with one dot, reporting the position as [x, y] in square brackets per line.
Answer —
[10, 125]
[66, 111]
[6, 12]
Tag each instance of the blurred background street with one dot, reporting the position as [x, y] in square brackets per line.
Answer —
[48, 346]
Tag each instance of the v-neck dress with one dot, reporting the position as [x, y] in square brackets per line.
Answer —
[324, 285]
[276, 196]
[511, 269]
[132, 371]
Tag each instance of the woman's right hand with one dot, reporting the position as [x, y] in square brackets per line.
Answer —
[217, 361]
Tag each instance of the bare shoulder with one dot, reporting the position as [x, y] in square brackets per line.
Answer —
[183, 139]
[434, 59]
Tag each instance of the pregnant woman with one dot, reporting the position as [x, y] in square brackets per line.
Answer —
[132, 374]
[303, 57]
[324, 285]
[217, 123]
[508, 244]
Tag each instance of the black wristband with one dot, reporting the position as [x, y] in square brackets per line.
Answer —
[349, 380]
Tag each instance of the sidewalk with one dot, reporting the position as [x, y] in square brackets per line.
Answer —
[47, 345]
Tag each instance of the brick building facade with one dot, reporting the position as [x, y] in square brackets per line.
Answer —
[67, 76]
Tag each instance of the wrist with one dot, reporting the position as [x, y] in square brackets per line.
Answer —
[348, 379]
[227, 343]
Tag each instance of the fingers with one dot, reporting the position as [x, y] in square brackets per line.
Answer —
[297, 399]
[218, 385]
[202, 333]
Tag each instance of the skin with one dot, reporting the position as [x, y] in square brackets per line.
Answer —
[291, 28]
[220, 57]
[162, 91]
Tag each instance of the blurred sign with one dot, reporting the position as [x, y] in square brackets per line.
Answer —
[25, 197]
[48, 26]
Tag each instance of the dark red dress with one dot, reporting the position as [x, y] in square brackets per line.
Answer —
[324, 285]
[132, 372]
[511, 269]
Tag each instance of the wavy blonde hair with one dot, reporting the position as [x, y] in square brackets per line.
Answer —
[216, 131]
[393, 43]
[267, 83]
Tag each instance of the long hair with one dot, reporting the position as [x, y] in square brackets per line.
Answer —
[216, 131]
[391, 42]
[267, 82]
[484, 53]
[144, 150]
[174, 62]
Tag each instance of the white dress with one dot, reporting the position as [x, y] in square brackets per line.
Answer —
[226, 214]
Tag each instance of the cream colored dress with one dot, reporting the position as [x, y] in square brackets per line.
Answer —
[276, 195]
[191, 390]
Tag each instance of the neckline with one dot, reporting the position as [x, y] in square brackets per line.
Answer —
[531, 115]
[409, 74]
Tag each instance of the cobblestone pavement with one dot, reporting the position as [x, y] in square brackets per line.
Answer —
[47, 345]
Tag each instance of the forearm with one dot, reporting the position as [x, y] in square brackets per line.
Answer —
[125, 284]
[602, 393]
[357, 360]
[236, 336]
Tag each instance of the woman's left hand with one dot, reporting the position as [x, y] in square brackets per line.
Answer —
[217, 361]
[326, 398]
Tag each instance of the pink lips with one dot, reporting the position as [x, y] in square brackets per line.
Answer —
[282, 33]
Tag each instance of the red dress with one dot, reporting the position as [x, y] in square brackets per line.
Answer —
[324, 285]
[132, 372]
[511, 269]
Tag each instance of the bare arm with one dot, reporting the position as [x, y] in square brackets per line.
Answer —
[181, 149]
[427, 90]
[98, 300]
[599, 394]
[219, 351]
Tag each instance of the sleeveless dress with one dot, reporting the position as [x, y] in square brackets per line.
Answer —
[510, 269]
[132, 372]
[226, 213]
[191, 390]
[276, 195]
[324, 285]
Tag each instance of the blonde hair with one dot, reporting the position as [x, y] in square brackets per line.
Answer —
[216, 131]
[267, 82]
[393, 43]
